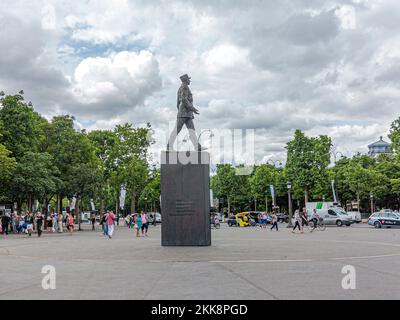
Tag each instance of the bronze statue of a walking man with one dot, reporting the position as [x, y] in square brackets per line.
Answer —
[186, 112]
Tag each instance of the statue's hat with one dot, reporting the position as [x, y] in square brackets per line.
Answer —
[185, 77]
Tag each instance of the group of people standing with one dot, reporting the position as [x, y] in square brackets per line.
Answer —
[55, 222]
[139, 222]
[263, 220]
[28, 223]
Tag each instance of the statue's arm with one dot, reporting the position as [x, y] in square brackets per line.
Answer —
[186, 102]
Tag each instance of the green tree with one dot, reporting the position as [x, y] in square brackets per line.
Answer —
[362, 181]
[223, 183]
[152, 190]
[395, 135]
[264, 176]
[7, 167]
[35, 177]
[131, 164]
[22, 127]
[60, 142]
[104, 142]
[85, 179]
[307, 161]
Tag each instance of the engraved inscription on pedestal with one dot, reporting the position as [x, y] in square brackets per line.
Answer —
[184, 208]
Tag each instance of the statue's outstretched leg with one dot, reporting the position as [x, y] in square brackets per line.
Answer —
[178, 127]
[192, 135]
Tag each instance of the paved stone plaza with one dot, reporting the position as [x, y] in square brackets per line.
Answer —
[242, 263]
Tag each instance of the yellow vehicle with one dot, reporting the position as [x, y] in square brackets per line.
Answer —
[242, 219]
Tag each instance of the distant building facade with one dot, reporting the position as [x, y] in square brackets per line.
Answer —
[379, 147]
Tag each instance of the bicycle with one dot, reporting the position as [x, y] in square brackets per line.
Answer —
[320, 225]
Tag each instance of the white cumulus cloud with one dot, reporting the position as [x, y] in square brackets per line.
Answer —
[128, 78]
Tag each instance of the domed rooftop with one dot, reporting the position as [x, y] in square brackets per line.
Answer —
[379, 147]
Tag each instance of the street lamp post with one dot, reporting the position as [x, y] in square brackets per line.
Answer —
[334, 189]
[289, 187]
[371, 196]
[277, 164]
[336, 154]
[204, 131]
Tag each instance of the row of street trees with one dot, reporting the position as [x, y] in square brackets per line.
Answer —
[308, 168]
[52, 162]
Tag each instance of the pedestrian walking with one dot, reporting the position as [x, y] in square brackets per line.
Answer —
[138, 223]
[304, 219]
[104, 224]
[5, 222]
[70, 224]
[54, 222]
[60, 222]
[39, 223]
[93, 221]
[297, 221]
[12, 222]
[49, 222]
[131, 222]
[274, 221]
[260, 219]
[29, 223]
[145, 223]
[264, 219]
[110, 224]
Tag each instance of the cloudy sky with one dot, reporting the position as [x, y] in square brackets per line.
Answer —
[326, 67]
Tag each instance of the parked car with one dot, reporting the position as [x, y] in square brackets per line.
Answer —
[150, 216]
[355, 215]
[85, 216]
[282, 217]
[384, 219]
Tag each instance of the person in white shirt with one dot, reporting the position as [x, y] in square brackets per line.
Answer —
[264, 219]
[297, 221]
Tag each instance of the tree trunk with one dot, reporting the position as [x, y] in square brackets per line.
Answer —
[305, 197]
[102, 206]
[30, 203]
[266, 204]
[229, 206]
[133, 202]
[59, 203]
[116, 210]
[77, 215]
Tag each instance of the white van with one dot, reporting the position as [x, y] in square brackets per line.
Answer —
[355, 215]
[332, 213]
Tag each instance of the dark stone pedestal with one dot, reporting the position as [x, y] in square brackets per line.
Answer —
[185, 198]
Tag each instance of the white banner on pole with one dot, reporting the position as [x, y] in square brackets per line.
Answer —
[72, 203]
[92, 205]
[211, 198]
[271, 187]
[334, 192]
[122, 198]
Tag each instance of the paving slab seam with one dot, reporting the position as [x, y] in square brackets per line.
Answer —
[238, 275]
